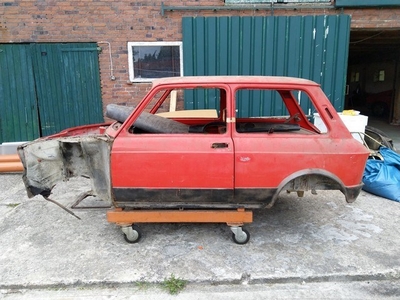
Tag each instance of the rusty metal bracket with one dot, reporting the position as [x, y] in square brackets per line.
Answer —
[83, 196]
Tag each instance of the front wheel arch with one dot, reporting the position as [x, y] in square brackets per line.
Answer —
[315, 179]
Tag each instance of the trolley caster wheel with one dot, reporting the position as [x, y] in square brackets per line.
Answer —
[132, 234]
[239, 235]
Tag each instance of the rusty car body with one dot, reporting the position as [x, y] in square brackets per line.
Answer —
[208, 142]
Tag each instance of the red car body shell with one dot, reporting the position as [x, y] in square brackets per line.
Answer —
[191, 170]
[250, 167]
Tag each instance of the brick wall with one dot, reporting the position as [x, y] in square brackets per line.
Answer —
[388, 18]
[118, 22]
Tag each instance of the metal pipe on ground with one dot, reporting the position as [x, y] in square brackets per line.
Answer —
[10, 163]
[9, 158]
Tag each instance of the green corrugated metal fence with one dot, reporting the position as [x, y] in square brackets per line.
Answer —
[54, 86]
[312, 47]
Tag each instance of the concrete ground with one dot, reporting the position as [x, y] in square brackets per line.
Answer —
[313, 247]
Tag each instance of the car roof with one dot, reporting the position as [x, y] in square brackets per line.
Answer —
[234, 80]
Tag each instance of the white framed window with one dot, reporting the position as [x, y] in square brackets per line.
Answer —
[151, 60]
[276, 1]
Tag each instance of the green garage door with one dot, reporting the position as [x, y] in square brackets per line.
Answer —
[19, 120]
[311, 47]
[45, 88]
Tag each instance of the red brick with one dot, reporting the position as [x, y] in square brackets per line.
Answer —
[121, 21]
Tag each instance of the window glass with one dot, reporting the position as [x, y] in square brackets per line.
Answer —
[277, 1]
[149, 61]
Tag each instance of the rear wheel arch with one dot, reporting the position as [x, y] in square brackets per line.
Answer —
[310, 179]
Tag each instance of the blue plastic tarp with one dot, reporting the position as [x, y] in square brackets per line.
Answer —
[382, 177]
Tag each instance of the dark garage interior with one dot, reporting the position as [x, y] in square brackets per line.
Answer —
[373, 73]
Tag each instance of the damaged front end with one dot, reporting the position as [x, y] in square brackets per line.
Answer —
[50, 160]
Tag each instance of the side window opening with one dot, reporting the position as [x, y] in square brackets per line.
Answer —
[186, 110]
[271, 111]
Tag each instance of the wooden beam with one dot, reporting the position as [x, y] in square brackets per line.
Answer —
[237, 217]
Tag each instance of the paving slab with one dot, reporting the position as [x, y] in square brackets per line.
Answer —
[317, 238]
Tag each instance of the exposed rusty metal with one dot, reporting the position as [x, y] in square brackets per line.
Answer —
[54, 160]
[82, 197]
[63, 207]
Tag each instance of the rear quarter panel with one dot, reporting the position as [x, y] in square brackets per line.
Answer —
[265, 161]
